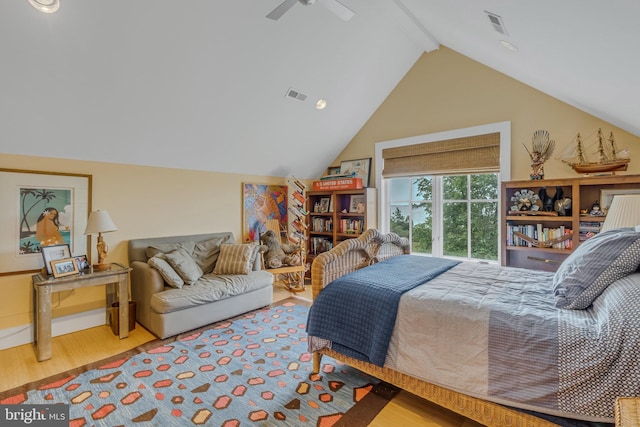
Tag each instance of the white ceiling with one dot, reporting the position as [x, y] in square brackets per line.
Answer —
[201, 84]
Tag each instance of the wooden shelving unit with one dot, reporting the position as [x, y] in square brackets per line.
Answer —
[334, 216]
[584, 192]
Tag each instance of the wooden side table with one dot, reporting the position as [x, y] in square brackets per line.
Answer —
[627, 411]
[117, 280]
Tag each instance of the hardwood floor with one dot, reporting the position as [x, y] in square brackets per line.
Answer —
[18, 366]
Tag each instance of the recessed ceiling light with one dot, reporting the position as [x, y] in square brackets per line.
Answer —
[508, 45]
[46, 6]
[321, 104]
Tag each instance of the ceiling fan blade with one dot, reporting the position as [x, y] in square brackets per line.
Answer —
[338, 9]
[276, 13]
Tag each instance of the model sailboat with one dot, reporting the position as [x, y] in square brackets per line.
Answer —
[609, 159]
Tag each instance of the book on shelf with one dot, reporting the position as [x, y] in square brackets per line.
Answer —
[319, 245]
[351, 226]
[296, 213]
[296, 238]
[588, 229]
[537, 235]
[299, 197]
[297, 183]
[322, 225]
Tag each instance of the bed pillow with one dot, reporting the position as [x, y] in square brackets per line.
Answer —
[184, 265]
[597, 263]
[235, 258]
[167, 272]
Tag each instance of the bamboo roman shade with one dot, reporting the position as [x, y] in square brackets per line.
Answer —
[478, 153]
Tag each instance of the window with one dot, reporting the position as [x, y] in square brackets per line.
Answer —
[451, 215]
[441, 190]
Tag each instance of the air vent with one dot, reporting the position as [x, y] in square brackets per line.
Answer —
[496, 22]
[296, 94]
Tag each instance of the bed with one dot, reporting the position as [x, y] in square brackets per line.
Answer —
[502, 346]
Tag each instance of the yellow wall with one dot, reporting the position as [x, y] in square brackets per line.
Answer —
[445, 90]
[143, 202]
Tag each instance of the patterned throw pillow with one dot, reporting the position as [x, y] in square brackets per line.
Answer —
[206, 252]
[597, 263]
[184, 265]
[235, 258]
[167, 272]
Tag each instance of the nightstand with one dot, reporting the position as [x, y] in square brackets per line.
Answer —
[117, 280]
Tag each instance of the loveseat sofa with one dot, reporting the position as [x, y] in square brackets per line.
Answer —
[180, 283]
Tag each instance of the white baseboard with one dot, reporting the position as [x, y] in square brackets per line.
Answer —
[20, 335]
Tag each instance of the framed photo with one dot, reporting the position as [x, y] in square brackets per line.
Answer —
[361, 168]
[333, 170]
[41, 209]
[82, 262]
[324, 204]
[261, 202]
[606, 196]
[357, 204]
[54, 253]
[64, 267]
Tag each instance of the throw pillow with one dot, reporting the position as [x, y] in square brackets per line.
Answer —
[236, 258]
[165, 248]
[184, 265]
[206, 252]
[597, 263]
[167, 272]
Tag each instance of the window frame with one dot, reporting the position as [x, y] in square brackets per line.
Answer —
[504, 174]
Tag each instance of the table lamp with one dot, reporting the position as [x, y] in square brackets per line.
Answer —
[100, 222]
[623, 212]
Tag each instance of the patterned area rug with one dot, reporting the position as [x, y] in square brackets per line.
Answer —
[252, 370]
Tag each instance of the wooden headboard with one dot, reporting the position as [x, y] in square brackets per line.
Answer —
[353, 254]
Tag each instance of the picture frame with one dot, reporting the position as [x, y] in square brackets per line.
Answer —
[606, 196]
[261, 202]
[333, 170]
[82, 262]
[54, 253]
[64, 267]
[357, 204]
[28, 198]
[324, 204]
[361, 168]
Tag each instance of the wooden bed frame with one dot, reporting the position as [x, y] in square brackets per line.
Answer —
[373, 246]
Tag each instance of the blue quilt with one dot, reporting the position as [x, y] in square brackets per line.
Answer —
[362, 330]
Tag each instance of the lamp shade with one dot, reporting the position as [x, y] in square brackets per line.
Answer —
[623, 212]
[99, 222]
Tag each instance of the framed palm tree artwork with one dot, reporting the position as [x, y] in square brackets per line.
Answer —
[41, 209]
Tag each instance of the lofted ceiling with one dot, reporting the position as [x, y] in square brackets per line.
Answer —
[201, 84]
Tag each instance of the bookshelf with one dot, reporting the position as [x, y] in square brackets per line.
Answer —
[541, 239]
[297, 225]
[334, 216]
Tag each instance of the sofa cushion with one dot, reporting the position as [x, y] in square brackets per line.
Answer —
[206, 252]
[236, 258]
[209, 288]
[184, 265]
[167, 272]
[165, 248]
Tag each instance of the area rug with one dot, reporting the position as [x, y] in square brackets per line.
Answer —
[252, 370]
